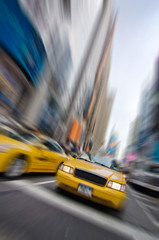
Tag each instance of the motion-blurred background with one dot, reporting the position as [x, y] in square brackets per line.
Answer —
[54, 68]
[86, 74]
[55, 63]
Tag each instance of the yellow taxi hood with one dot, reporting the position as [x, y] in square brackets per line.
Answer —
[95, 168]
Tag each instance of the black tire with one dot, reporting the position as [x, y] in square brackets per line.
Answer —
[16, 168]
[58, 190]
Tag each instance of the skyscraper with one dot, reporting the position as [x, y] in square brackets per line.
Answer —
[102, 100]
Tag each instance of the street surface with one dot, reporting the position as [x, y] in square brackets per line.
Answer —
[32, 208]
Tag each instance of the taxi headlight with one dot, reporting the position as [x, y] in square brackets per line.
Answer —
[117, 186]
[66, 169]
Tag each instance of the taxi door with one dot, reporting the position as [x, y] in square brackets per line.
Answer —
[39, 161]
[54, 156]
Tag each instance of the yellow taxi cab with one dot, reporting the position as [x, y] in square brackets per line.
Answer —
[28, 153]
[94, 177]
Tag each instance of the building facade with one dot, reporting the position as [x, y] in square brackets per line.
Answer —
[22, 59]
[144, 133]
[102, 100]
[67, 29]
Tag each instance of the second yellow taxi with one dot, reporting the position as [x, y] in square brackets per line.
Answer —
[28, 153]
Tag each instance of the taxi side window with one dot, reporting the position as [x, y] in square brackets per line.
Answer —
[12, 135]
[3, 132]
[53, 147]
[7, 133]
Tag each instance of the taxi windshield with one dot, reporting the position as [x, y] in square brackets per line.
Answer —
[105, 162]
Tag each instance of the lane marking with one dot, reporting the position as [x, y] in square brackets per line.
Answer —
[145, 197]
[29, 180]
[148, 214]
[8, 184]
[144, 208]
[86, 213]
[150, 204]
[45, 182]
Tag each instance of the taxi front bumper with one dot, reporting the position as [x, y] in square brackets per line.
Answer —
[102, 195]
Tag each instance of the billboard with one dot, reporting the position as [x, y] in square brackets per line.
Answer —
[20, 40]
[112, 146]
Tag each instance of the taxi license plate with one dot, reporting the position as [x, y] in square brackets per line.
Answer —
[85, 190]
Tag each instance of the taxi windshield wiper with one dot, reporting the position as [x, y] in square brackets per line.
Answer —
[84, 159]
[101, 164]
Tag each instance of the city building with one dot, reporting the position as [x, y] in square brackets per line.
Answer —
[134, 135]
[144, 131]
[86, 84]
[22, 59]
[102, 100]
[68, 30]
[86, 78]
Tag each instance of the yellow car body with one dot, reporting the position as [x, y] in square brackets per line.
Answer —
[38, 157]
[87, 174]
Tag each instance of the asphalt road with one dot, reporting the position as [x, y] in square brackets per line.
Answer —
[32, 208]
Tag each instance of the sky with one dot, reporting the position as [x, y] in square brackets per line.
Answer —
[135, 48]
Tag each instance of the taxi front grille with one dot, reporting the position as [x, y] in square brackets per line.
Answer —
[90, 177]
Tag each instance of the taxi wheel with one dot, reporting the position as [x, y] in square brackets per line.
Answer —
[58, 189]
[16, 168]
